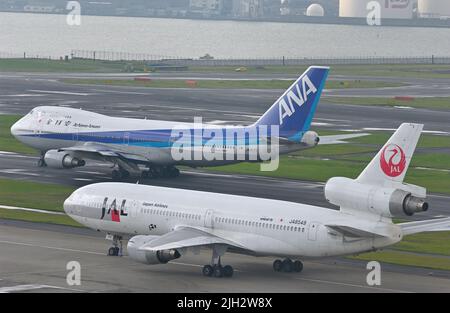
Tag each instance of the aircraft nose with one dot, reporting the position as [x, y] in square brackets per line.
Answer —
[14, 129]
[69, 204]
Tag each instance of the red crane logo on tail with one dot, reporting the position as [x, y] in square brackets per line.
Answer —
[393, 160]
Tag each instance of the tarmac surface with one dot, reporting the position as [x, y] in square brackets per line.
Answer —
[34, 256]
[34, 259]
[23, 167]
[19, 93]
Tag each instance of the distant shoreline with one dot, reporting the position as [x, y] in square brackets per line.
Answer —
[419, 23]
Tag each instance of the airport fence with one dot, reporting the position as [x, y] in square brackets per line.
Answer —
[179, 61]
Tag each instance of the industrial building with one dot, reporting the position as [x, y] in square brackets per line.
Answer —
[315, 9]
[391, 9]
[433, 9]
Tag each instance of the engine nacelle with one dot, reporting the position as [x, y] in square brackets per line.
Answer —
[149, 257]
[61, 159]
[389, 202]
[311, 139]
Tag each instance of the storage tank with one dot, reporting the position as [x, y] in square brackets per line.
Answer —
[433, 8]
[402, 9]
[315, 10]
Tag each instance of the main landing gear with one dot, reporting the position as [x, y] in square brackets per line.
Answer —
[41, 161]
[120, 174]
[216, 269]
[116, 249]
[287, 266]
[161, 172]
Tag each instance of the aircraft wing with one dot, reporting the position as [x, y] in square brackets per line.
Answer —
[337, 139]
[94, 149]
[186, 237]
[441, 224]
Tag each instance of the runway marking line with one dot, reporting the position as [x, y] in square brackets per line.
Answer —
[49, 247]
[18, 288]
[61, 92]
[350, 285]
[7, 207]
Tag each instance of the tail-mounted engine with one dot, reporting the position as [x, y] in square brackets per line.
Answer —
[352, 195]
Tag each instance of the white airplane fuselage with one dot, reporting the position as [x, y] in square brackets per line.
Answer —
[140, 140]
[265, 227]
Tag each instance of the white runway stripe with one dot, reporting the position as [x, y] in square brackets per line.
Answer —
[6, 207]
[19, 288]
[60, 92]
[50, 248]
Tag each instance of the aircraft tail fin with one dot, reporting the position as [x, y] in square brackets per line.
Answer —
[294, 110]
[389, 166]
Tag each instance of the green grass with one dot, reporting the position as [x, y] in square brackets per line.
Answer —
[428, 250]
[425, 141]
[42, 65]
[431, 243]
[7, 141]
[440, 103]
[228, 84]
[399, 70]
[385, 70]
[322, 170]
[38, 217]
[409, 259]
[33, 195]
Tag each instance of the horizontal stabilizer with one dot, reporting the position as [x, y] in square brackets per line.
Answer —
[442, 224]
[339, 139]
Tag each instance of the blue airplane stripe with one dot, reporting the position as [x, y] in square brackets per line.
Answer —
[131, 139]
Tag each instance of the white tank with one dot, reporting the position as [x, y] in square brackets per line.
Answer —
[315, 10]
[433, 8]
[402, 9]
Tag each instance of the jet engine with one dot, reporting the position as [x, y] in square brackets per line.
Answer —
[310, 139]
[389, 202]
[61, 159]
[149, 257]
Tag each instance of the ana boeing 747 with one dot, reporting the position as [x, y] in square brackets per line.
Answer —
[68, 137]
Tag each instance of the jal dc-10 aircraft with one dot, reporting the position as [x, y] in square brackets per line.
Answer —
[68, 137]
[166, 222]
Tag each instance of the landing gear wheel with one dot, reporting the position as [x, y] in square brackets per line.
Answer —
[218, 271]
[120, 174]
[277, 265]
[173, 172]
[228, 271]
[113, 251]
[207, 270]
[287, 266]
[41, 163]
[297, 266]
[115, 175]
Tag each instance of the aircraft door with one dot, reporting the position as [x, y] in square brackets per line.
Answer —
[209, 219]
[39, 116]
[312, 231]
[74, 131]
[126, 139]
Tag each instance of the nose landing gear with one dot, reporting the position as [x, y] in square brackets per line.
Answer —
[116, 249]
